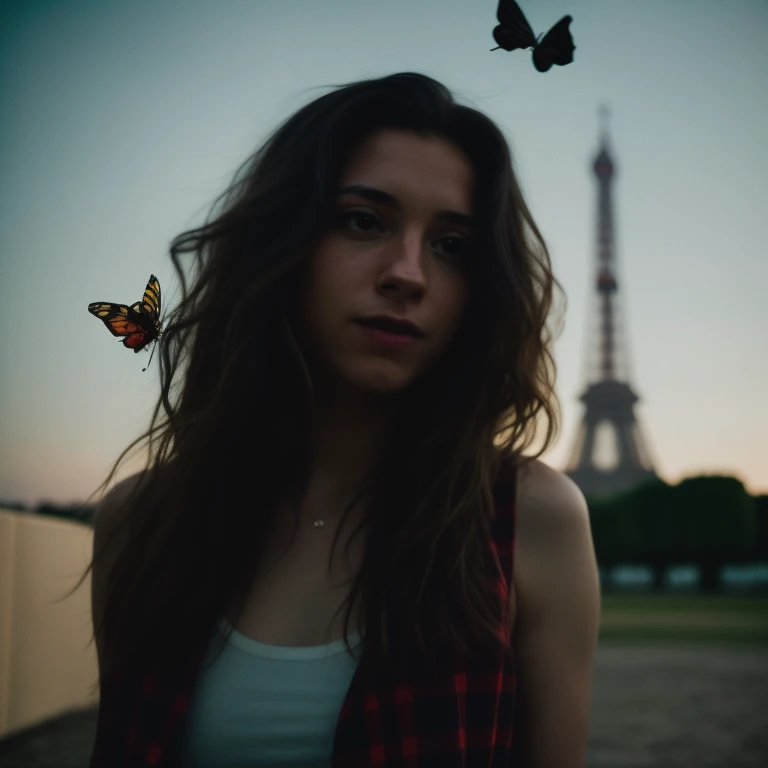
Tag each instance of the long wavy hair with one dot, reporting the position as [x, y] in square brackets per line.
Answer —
[233, 440]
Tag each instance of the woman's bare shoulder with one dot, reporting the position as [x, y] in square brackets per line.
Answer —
[552, 519]
[546, 496]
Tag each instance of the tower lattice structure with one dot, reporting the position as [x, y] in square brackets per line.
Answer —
[609, 453]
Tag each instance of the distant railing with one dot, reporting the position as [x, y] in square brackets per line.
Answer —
[742, 578]
[46, 663]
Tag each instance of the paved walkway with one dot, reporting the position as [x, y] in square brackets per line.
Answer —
[652, 707]
[670, 707]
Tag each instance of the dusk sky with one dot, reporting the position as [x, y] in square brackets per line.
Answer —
[122, 121]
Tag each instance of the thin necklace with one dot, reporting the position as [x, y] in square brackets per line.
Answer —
[315, 522]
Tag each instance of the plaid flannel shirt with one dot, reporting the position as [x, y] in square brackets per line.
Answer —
[465, 718]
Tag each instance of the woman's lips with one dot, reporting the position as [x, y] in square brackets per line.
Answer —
[386, 338]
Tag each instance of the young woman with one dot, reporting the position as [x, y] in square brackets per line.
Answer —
[365, 359]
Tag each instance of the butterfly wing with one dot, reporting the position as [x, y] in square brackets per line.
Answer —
[514, 31]
[556, 47]
[151, 301]
[124, 321]
[139, 324]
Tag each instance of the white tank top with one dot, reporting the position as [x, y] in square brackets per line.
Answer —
[267, 705]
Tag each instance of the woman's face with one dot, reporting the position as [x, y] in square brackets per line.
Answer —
[400, 257]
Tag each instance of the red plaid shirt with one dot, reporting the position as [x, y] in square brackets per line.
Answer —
[466, 717]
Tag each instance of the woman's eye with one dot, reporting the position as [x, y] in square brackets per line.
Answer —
[458, 249]
[460, 246]
[347, 217]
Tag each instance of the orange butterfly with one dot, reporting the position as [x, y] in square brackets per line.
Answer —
[139, 323]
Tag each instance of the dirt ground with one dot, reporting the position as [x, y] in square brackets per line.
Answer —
[652, 707]
[670, 707]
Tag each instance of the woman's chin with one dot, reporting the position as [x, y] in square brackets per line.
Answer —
[390, 381]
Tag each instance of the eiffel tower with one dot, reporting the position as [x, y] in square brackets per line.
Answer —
[609, 454]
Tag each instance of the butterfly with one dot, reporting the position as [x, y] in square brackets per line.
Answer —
[514, 32]
[139, 323]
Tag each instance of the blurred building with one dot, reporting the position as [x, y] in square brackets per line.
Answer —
[610, 453]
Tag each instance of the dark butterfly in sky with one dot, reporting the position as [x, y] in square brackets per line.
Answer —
[139, 324]
[514, 31]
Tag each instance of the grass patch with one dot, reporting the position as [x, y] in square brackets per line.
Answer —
[723, 619]
[708, 636]
[673, 603]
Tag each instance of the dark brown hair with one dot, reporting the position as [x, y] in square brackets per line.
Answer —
[234, 439]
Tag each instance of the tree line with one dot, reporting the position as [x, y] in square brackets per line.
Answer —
[708, 521]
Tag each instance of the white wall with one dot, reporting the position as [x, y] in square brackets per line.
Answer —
[46, 664]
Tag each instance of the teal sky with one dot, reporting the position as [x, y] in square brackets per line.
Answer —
[121, 122]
